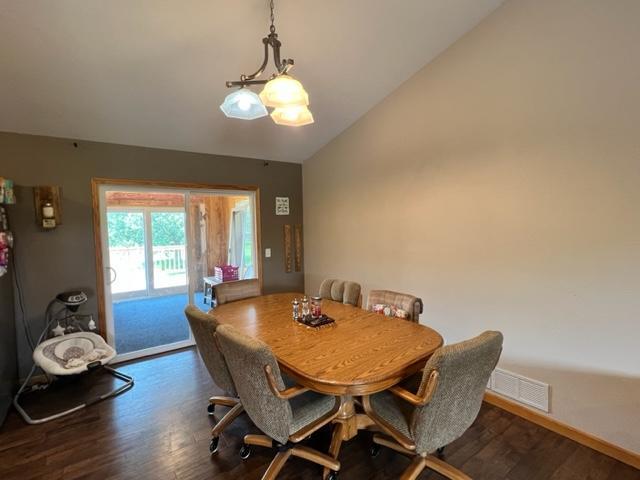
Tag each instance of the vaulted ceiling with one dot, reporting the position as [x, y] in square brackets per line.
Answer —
[152, 72]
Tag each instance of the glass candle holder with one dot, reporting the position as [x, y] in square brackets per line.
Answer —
[296, 309]
[316, 309]
[305, 306]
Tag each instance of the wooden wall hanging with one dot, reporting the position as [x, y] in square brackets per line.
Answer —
[298, 242]
[47, 194]
[288, 257]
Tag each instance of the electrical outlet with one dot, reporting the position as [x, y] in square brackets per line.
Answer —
[267, 253]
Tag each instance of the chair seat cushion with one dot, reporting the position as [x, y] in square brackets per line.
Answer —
[309, 407]
[394, 410]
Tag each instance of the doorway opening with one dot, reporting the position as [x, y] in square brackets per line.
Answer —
[159, 250]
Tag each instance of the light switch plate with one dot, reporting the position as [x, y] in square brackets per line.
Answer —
[267, 253]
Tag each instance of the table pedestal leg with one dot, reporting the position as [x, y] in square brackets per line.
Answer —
[347, 417]
[346, 427]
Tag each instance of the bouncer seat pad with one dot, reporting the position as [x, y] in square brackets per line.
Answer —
[70, 354]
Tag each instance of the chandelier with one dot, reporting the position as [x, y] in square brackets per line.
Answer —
[281, 91]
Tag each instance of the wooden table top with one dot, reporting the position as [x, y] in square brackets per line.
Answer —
[361, 353]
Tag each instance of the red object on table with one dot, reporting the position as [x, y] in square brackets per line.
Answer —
[316, 309]
[225, 273]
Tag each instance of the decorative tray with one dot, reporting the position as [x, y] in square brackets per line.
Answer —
[316, 322]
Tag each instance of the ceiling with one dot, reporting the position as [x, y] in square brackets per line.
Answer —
[152, 72]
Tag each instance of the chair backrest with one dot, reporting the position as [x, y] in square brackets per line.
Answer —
[464, 369]
[410, 304]
[204, 327]
[247, 358]
[237, 290]
[340, 291]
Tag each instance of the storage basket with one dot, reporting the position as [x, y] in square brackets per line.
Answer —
[225, 273]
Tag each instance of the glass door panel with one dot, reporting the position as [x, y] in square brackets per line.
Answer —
[168, 240]
[242, 245]
[126, 237]
[221, 232]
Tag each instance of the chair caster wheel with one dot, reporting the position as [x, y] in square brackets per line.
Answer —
[245, 451]
[374, 451]
[213, 445]
[211, 408]
[440, 451]
[332, 475]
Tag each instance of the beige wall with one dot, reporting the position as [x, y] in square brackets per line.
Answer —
[502, 185]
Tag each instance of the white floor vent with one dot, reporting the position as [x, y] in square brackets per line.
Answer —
[523, 389]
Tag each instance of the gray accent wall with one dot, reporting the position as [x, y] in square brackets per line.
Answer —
[8, 367]
[63, 259]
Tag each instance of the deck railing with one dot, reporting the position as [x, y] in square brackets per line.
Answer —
[170, 259]
[169, 267]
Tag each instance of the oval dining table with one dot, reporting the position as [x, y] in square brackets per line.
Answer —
[361, 353]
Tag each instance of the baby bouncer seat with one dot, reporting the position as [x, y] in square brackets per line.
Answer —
[70, 354]
[73, 353]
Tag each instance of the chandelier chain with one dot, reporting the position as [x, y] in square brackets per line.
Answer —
[272, 28]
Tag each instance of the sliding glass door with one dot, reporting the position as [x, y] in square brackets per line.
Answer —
[163, 249]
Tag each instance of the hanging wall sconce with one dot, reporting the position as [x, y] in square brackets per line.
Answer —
[47, 203]
[281, 91]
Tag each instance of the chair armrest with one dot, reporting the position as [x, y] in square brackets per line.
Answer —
[423, 396]
[285, 394]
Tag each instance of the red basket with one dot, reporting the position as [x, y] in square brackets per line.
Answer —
[225, 273]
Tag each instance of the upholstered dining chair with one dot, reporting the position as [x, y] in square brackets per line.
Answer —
[410, 305]
[237, 290]
[446, 403]
[204, 327]
[285, 415]
[340, 291]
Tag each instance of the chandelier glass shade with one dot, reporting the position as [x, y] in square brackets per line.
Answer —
[292, 116]
[243, 104]
[281, 91]
[284, 91]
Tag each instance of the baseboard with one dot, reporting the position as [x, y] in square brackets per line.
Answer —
[583, 438]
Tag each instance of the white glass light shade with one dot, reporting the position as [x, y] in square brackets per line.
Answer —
[243, 104]
[295, 116]
[284, 91]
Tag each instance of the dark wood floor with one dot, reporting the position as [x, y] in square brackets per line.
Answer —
[160, 430]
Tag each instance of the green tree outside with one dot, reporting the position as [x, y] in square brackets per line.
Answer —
[167, 228]
[126, 229]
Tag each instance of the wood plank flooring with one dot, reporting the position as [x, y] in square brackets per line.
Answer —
[160, 430]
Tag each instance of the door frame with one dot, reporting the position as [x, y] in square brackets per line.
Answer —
[98, 182]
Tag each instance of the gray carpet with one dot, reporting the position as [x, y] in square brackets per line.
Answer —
[150, 322]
